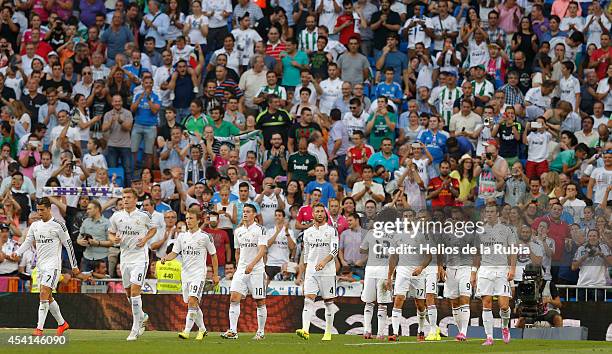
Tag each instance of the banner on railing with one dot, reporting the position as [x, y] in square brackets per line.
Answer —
[109, 192]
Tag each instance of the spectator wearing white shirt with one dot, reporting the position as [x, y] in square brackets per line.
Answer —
[571, 204]
[315, 147]
[569, 86]
[332, 89]
[270, 200]
[537, 138]
[601, 178]
[592, 259]
[281, 244]
[539, 99]
[217, 12]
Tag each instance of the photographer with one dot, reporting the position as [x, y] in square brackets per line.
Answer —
[549, 304]
[93, 235]
[592, 259]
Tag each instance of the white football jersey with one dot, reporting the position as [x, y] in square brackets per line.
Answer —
[193, 248]
[49, 237]
[411, 254]
[319, 242]
[131, 228]
[493, 260]
[248, 240]
[378, 254]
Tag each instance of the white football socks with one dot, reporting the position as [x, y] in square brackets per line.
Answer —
[464, 316]
[432, 313]
[396, 317]
[422, 317]
[487, 321]
[55, 311]
[136, 312]
[43, 309]
[199, 320]
[192, 313]
[262, 316]
[307, 314]
[382, 319]
[234, 313]
[368, 313]
[329, 316]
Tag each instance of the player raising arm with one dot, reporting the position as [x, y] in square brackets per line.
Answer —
[251, 244]
[49, 236]
[494, 271]
[193, 245]
[320, 250]
[132, 229]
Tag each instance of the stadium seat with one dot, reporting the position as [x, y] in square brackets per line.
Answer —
[120, 175]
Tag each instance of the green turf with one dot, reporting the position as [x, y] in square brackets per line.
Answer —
[113, 342]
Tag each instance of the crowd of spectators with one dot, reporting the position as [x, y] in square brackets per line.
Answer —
[414, 104]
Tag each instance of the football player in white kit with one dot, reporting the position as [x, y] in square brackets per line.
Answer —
[458, 284]
[410, 280]
[374, 290]
[49, 235]
[132, 229]
[320, 250]
[193, 245]
[251, 244]
[431, 286]
[494, 271]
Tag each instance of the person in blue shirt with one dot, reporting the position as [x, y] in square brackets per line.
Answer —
[385, 157]
[389, 88]
[326, 188]
[435, 140]
[145, 107]
[135, 71]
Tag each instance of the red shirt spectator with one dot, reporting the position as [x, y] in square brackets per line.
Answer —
[602, 66]
[274, 50]
[359, 156]
[346, 21]
[222, 244]
[255, 174]
[558, 230]
[445, 198]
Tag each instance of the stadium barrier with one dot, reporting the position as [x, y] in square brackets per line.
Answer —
[167, 313]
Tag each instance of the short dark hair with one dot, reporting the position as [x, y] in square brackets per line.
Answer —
[45, 201]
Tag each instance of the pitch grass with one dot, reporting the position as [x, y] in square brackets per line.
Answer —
[113, 342]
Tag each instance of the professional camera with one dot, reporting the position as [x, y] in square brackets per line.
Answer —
[529, 294]
[592, 250]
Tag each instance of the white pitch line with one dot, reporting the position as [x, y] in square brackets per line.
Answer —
[395, 343]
